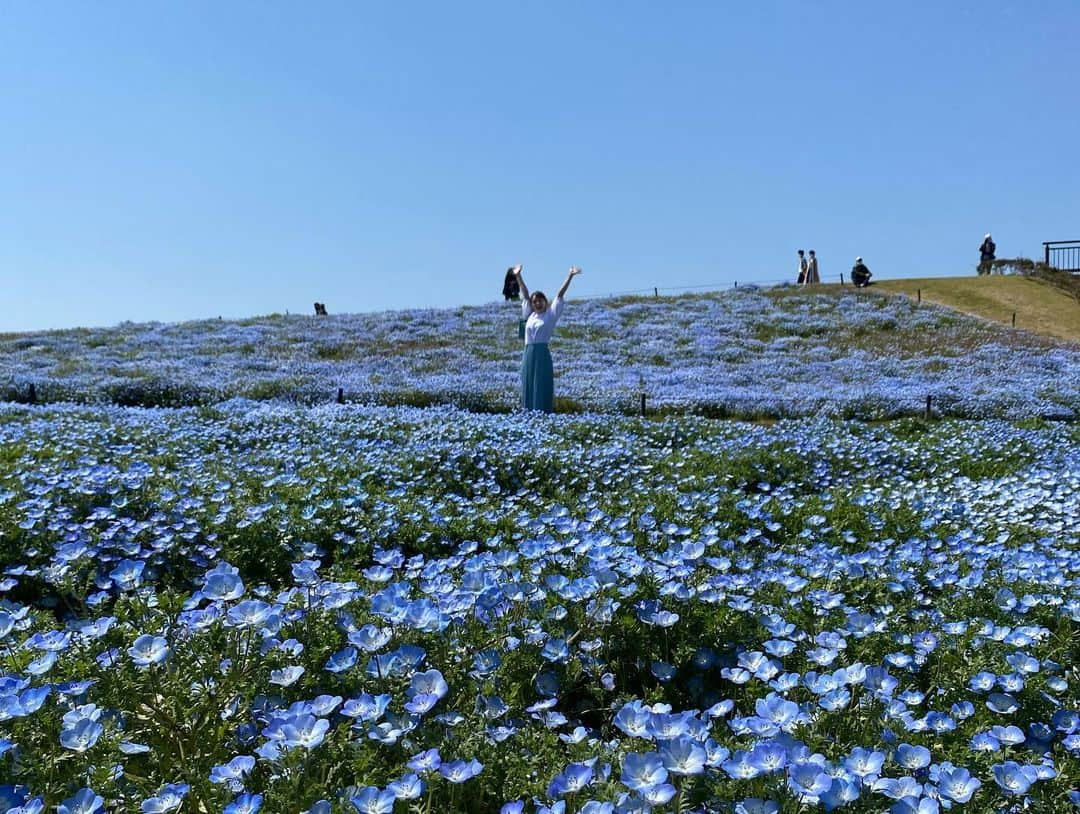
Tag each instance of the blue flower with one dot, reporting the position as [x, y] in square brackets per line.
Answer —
[683, 756]
[128, 574]
[1002, 703]
[756, 805]
[82, 735]
[342, 660]
[808, 780]
[1013, 778]
[85, 801]
[957, 784]
[427, 761]
[1008, 735]
[249, 613]
[573, 779]
[643, 771]
[915, 805]
[168, 799]
[373, 800]
[223, 583]
[286, 676]
[634, 719]
[233, 771]
[408, 787]
[305, 731]
[912, 757]
[741, 766]
[555, 650]
[244, 804]
[458, 771]
[785, 714]
[864, 763]
[657, 795]
[429, 683]
[148, 650]
[840, 793]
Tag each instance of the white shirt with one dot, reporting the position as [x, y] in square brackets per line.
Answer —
[540, 327]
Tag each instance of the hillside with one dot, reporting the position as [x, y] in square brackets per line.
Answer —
[748, 353]
[1038, 306]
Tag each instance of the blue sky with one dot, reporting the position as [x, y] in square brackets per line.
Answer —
[180, 160]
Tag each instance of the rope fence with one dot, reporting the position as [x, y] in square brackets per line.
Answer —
[721, 285]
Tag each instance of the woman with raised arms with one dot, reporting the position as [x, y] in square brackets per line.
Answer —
[537, 374]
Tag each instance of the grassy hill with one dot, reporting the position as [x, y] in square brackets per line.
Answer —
[1038, 306]
[757, 353]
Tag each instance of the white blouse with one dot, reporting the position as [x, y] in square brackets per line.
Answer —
[540, 327]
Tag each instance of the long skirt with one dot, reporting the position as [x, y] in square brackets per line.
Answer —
[537, 378]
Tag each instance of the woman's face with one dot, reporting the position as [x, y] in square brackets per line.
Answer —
[539, 303]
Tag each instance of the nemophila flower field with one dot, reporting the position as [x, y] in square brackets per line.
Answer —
[750, 353]
[365, 609]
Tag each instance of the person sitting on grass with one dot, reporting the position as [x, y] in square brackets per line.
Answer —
[537, 374]
[860, 274]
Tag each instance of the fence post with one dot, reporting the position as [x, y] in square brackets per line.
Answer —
[656, 292]
[736, 283]
[341, 395]
[918, 293]
[643, 404]
[1046, 254]
[1014, 319]
[929, 405]
[841, 278]
[32, 395]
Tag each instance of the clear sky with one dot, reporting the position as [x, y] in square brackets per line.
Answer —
[165, 161]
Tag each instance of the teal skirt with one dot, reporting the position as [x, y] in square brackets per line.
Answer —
[537, 379]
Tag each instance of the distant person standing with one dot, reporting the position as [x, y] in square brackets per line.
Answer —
[510, 285]
[812, 276]
[987, 253]
[860, 274]
[802, 268]
[537, 373]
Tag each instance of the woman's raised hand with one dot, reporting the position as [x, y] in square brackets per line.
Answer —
[517, 270]
[574, 271]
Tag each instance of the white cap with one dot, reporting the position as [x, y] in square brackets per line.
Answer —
[987, 236]
[858, 259]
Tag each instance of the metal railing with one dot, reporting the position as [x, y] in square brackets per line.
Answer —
[1062, 254]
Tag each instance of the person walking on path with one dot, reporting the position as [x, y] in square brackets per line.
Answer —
[860, 274]
[802, 268]
[812, 276]
[986, 255]
[537, 374]
[510, 285]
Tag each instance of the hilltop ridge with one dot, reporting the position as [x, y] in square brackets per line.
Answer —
[748, 352]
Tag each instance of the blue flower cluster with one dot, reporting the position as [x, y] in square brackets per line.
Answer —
[378, 610]
[747, 352]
